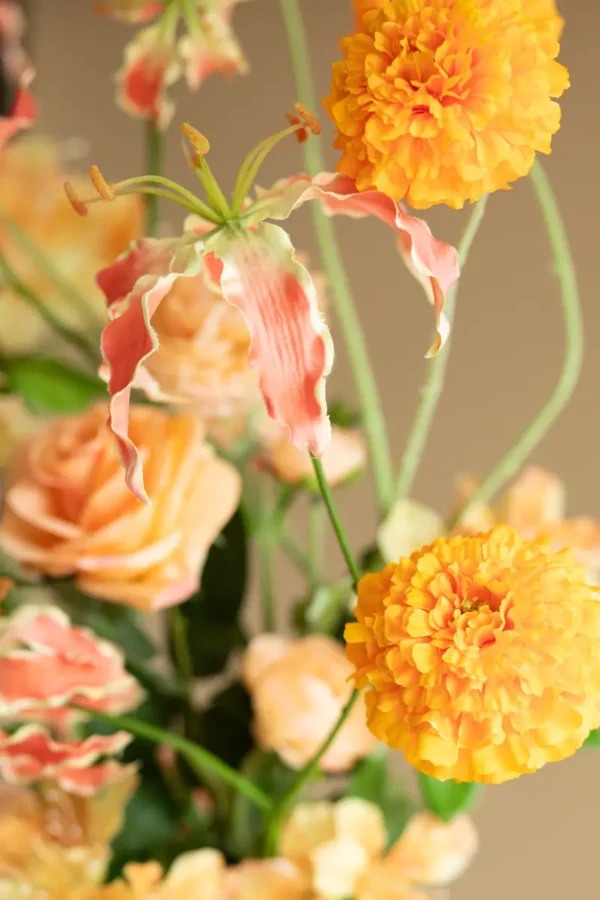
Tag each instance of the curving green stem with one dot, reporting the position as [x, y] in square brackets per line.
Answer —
[436, 371]
[202, 761]
[372, 414]
[511, 463]
[280, 810]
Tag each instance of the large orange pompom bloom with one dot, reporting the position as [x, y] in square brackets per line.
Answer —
[483, 655]
[442, 101]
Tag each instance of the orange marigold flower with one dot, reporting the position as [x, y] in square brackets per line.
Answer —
[442, 101]
[482, 653]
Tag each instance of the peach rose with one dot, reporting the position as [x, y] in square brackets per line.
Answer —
[68, 511]
[341, 849]
[203, 875]
[299, 688]
[32, 189]
[344, 456]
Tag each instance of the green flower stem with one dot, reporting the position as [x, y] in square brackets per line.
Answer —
[436, 371]
[154, 164]
[372, 414]
[42, 262]
[280, 810]
[202, 761]
[181, 650]
[269, 535]
[336, 521]
[77, 341]
[512, 462]
[266, 548]
[295, 553]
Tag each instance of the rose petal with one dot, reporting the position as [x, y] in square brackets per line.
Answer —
[433, 263]
[291, 347]
[129, 339]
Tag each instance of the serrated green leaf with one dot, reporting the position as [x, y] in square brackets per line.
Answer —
[371, 781]
[447, 798]
[50, 387]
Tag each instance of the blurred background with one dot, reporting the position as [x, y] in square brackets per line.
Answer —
[538, 833]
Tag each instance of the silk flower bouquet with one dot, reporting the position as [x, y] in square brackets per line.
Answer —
[164, 408]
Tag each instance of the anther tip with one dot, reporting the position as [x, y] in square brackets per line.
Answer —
[105, 190]
[302, 133]
[308, 119]
[76, 202]
[198, 141]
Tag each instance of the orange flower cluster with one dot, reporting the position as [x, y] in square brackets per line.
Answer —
[482, 654]
[442, 101]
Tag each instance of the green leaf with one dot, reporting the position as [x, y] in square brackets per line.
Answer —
[151, 830]
[246, 827]
[343, 415]
[593, 739]
[447, 798]
[50, 387]
[225, 727]
[372, 781]
[212, 614]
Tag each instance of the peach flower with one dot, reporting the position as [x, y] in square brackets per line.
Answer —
[31, 755]
[46, 663]
[299, 687]
[203, 875]
[56, 845]
[535, 504]
[68, 512]
[32, 180]
[344, 456]
[341, 849]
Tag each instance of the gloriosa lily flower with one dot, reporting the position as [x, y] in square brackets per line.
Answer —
[254, 264]
[17, 106]
[158, 56]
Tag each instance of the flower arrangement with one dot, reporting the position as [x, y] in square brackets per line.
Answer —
[164, 406]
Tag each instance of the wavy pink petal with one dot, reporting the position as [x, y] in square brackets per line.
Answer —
[212, 49]
[31, 754]
[129, 339]
[149, 67]
[47, 663]
[291, 348]
[433, 263]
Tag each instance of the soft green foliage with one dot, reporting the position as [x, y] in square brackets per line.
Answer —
[372, 780]
[447, 798]
[49, 387]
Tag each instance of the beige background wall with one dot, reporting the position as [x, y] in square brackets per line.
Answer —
[539, 833]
